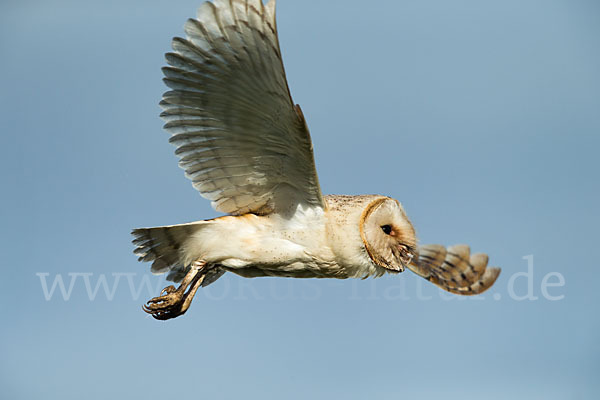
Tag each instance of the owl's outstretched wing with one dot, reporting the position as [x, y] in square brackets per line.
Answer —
[239, 136]
[454, 269]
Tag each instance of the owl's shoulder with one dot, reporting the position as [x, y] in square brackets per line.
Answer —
[341, 202]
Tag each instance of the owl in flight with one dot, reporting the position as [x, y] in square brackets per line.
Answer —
[246, 147]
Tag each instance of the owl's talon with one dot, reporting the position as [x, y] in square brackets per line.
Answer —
[175, 302]
[168, 300]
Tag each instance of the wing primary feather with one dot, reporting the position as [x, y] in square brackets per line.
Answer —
[239, 137]
[454, 269]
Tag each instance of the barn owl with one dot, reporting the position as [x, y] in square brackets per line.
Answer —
[246, 147]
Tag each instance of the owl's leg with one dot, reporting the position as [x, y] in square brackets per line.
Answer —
[175, 302]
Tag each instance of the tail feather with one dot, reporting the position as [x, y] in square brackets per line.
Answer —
[454, 269]
[164, 246]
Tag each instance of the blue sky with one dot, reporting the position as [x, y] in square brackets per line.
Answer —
[481, 117]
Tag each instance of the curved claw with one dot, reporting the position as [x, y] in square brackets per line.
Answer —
[147, 309]
[151, 307]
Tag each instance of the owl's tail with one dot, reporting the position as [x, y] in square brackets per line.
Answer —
[454, 269]
[165, 247]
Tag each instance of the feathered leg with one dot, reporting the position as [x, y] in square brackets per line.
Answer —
[175, 302]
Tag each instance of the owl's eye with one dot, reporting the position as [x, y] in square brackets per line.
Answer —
[387, 229]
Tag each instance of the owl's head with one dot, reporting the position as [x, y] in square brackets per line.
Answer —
[387, 234]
